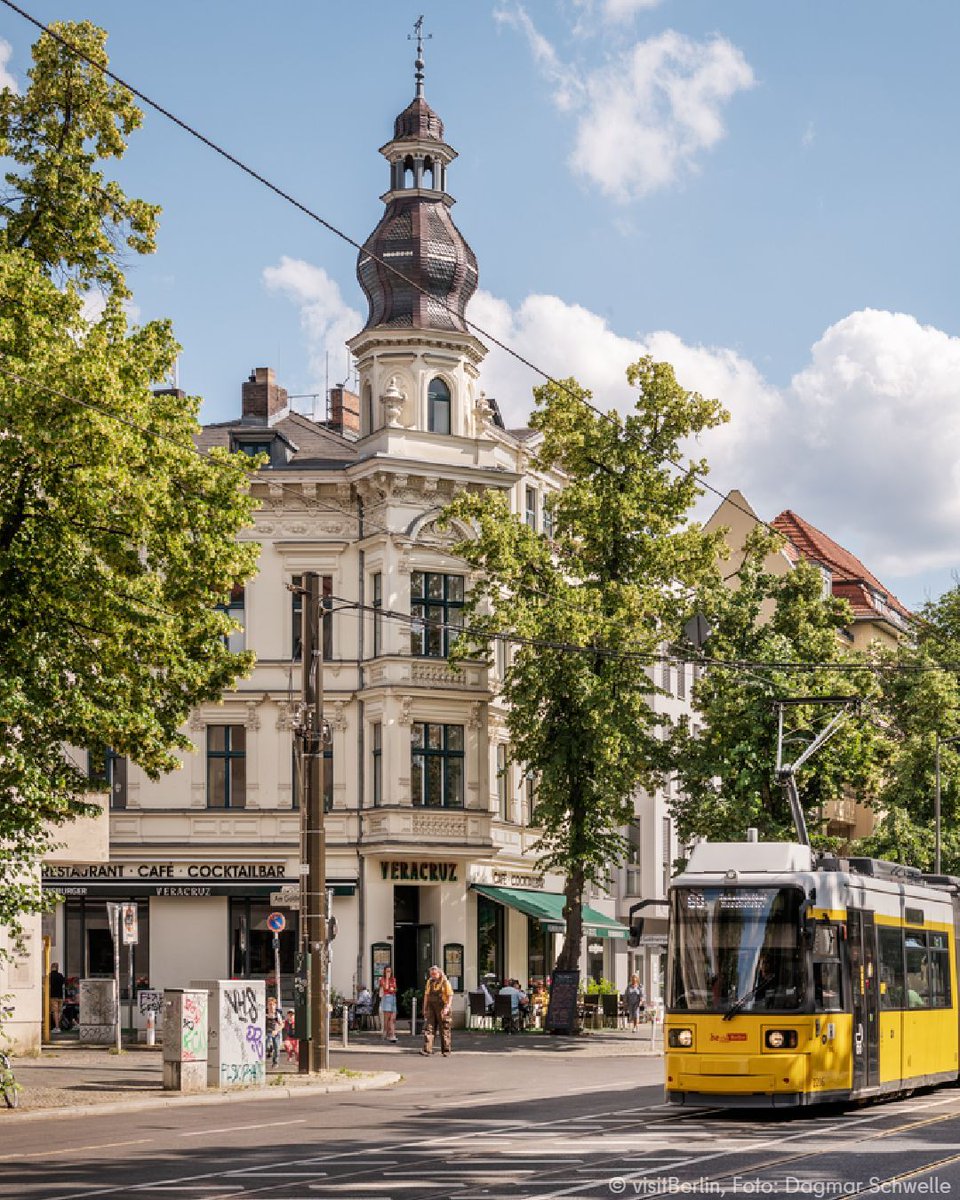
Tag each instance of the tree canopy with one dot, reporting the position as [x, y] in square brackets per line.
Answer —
[586, 607]
[118, 542]
[773, 633]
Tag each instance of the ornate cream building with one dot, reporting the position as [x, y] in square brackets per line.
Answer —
[429, 839]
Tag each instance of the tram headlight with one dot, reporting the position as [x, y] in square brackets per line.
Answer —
[780, 1039]
[681, 1038]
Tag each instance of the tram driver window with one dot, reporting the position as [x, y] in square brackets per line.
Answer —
[826, 968]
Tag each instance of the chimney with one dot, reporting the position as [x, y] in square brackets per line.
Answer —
[264, 401]
[344, 412]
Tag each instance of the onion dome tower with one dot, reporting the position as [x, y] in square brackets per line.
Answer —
[422, 301]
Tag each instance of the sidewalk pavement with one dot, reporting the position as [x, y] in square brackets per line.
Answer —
[71, 1079]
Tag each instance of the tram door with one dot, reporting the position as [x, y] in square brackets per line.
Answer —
[865, 993]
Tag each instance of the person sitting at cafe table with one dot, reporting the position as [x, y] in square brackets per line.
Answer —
[518, 999]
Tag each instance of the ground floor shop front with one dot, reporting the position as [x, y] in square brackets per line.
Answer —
[213, 919]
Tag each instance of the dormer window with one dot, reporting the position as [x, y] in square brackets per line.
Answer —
[438, 407]
[253, 448]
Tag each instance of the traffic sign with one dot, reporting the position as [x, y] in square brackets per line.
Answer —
[288, 897]
[277, 922]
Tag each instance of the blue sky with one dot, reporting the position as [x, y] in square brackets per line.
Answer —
[765, 194]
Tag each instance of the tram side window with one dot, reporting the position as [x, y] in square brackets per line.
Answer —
[939, 969]
[826, 968]
[891, 967]
[918, 983]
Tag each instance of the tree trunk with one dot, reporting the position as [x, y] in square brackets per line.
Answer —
[569, 959]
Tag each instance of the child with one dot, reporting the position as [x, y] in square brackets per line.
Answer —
[274, 1027]
[290, 1042]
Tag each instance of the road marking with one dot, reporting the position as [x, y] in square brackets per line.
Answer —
[240, 1128]
[75, 1149]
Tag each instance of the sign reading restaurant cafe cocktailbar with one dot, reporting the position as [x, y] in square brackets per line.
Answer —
[166, 878]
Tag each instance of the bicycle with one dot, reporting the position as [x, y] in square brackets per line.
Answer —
[8, 1083]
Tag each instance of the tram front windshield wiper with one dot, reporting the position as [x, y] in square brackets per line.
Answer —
[740, 1001]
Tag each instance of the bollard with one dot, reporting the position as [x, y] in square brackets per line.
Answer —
[413, 1017]
[345, 1026]
[151, 1027]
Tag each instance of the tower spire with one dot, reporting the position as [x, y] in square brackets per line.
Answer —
[419, 64]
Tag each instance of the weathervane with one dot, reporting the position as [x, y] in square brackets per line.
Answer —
[418, 32]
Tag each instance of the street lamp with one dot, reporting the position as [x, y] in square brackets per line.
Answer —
[936, 798]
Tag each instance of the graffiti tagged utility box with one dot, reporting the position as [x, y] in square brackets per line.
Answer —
[237, 1009]
[98, 1010]
[184, 1040]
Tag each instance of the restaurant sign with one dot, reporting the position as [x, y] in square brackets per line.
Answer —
[415, 871]
[178, 879]
[127, 872]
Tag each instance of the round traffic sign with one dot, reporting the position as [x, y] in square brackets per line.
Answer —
[277, 922]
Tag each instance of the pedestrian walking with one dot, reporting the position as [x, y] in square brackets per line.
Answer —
[437, 1010]
[57, 985]
[388, 1004]
[633, 1002]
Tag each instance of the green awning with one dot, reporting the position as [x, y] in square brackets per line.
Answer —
[547, 907]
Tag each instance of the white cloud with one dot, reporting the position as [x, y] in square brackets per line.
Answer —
[864, 442]
[325, 317]
[809, 135]
[7, 81]
[625, 10]
[645, 117]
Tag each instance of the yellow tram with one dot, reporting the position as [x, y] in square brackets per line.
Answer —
[797, 979]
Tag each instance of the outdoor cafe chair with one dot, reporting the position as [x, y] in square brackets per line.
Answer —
[478, 1009]
[503, 1012]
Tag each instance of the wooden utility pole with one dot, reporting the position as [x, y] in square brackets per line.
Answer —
[315, 1055]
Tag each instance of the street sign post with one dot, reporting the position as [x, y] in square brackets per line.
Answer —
[277, 922]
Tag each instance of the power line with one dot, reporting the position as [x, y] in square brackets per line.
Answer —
[337, 232]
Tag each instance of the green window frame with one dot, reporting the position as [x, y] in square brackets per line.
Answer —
[436, 766]
[436, 606]
[226, 766]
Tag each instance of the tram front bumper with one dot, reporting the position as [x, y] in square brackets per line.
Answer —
[767, 1078]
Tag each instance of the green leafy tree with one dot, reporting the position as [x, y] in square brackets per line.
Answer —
[117, 540]
[589, 606]
[921, 702]
[725, 758]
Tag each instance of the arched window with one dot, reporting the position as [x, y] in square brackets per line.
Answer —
[428, 172]
[409, 172]
[438, 405]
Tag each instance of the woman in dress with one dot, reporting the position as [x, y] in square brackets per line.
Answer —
[633, 1001]
[388, 1004]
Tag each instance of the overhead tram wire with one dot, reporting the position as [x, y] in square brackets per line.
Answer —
[345, 237]
[650, 658]
[746, 666]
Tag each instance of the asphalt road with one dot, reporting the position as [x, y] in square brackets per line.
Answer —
[486, 1125]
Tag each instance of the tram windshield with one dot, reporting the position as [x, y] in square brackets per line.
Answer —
[735, 949]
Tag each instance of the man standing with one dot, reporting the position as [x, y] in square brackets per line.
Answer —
[57, 983]
[437, 1006]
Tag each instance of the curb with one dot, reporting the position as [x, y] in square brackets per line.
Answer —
[382, 1079]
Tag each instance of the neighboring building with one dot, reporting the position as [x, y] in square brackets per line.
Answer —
[86, 841]
[878, 616]
[428, 821]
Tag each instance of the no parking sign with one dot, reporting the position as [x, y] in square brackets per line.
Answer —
[277, 922]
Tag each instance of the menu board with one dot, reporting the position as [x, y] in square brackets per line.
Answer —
[453, 964]
[381, 955]
[562, 1011]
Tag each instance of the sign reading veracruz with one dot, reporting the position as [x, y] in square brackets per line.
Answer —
[420, 872]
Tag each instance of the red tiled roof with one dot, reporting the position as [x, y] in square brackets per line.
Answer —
[850, 578]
